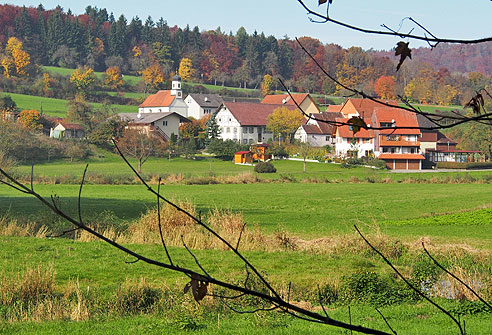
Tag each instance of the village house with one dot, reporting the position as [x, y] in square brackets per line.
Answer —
[245, 122]
[200, 105]
[319, 130]
[399, 143]
[166, 101]
[162, 125]
[65, 129]
[304, 100]
[350, 144]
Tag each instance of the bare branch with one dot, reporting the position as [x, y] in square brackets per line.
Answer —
[194, 257]
[240, 234]
[432, 39]
[80, 192]
[386, 321]
[63, 233]
[407, 282]
[159, 222]
[456, 278]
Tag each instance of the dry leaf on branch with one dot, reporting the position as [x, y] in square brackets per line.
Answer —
[476, 103]
[356, 122]
[198, 285]
[403, 51]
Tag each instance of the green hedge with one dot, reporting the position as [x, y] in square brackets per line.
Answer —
[467, 166]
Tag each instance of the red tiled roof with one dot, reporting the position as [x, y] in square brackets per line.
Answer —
[401, 156]
[365, 107]
[280, 99]
[74, 126]
[252, 114]
[344, 131]
[334, 108]
[402, 118]
[242, 152]
[160, 99]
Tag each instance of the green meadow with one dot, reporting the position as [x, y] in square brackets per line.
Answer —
[55, 107]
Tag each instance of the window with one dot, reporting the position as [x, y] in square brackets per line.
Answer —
[220, 120]
[251, 130]
[230, 119]
[245, 141]
[250, 140]
[164, 123]
[245, 130]
[228, 130]
[327, 138]
[234, 130]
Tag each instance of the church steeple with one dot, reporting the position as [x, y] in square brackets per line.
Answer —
[176, 87]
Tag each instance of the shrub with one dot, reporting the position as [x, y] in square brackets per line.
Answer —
[265, 167]
[467, 166]
[378, 163]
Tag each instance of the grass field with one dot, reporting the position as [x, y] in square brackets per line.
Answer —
[55, 107]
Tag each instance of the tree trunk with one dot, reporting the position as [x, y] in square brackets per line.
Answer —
[304, 164]
[139, 165]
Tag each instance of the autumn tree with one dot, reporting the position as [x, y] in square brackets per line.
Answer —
[83, 78]
[186, 70]
[15, 60]
[384, 87]
[7, 107]
[153, 76]
[113, 77]
[267, 85]
[30, 120]
[284, 122]
[139, 145]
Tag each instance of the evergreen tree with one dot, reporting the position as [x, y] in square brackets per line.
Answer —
[213, 130]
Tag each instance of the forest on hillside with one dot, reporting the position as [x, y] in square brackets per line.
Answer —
[99, 41]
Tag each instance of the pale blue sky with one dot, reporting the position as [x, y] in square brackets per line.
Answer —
[451, 18]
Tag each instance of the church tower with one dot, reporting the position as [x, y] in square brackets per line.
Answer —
[176, 87]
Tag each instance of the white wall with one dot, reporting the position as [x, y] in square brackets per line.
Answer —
[343, 145]
[230, 129]
[194, 109]
[171, 127]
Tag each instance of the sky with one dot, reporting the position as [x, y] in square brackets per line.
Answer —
[444, 18]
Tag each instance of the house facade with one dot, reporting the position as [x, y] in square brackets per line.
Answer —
[319, 130]
[398, 143]
[200, 105]
[304, 100]
[166, 101]
[65, 129]
[162, 125]
[353, 145]
[245, 122]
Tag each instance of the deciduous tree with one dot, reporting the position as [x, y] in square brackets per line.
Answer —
[153, 76]
[139, 145]
[267, 85]
[384, 87]
[30, 120]
[113, 77]
[186, 70]
[83, 78]
[284, 122]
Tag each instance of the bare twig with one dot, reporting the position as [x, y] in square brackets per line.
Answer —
[80, 193]
[456, 278]
[240, 234]
[407, 282]
[386, 321]
[433, 39]
[160, 224]
[194, 257]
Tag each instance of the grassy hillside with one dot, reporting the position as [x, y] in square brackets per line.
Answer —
[55, 107]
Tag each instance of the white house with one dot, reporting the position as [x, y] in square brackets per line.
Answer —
[200, 105]
[166, 101]
[163, 125]
[355, 145]
[318, 131]
[245, 122]
[64, 129]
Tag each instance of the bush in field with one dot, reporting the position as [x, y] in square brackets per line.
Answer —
[265, 167]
